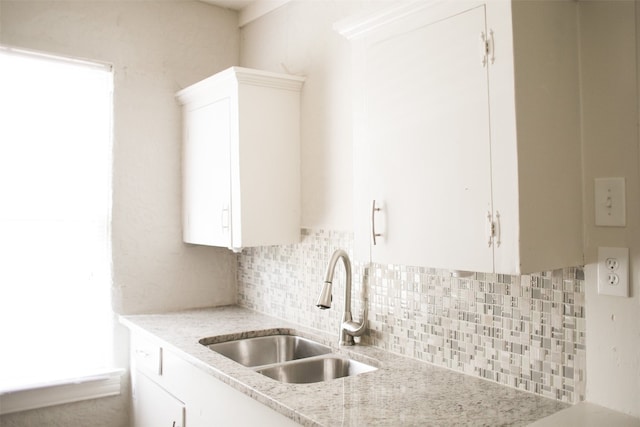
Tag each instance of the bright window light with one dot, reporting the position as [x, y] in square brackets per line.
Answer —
[55, 191]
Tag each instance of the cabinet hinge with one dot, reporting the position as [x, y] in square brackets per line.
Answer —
[493, 229]
[487, 48]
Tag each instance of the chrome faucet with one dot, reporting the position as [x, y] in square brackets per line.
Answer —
[348, 328]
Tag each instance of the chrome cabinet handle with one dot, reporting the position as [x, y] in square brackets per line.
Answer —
[374, 209]
[497, 230]
[224, 218]
[490, 229]
[491, 48]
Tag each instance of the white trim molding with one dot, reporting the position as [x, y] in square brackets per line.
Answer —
[102, 384]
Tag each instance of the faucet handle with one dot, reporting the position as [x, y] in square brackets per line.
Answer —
[356, 329]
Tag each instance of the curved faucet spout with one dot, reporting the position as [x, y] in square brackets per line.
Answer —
[348, 328]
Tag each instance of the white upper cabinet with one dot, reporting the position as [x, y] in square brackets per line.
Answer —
[467, 136]
[241, 159]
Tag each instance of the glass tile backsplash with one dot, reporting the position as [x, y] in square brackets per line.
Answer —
[526, 332]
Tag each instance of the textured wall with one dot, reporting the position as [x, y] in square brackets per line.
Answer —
[611, 148]
[299, 39]
[156, 48]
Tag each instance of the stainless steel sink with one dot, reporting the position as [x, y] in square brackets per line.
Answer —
[315, 370]
[288, 358]
[268, 350]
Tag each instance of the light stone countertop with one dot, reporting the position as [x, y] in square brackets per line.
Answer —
[401, 392]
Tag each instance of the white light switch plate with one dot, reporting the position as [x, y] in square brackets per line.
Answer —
[613, 271]
[610, 202]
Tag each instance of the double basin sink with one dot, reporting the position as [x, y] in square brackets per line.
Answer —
[288, 358]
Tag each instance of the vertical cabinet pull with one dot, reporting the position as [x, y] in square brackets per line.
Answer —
[496, 229]
[224, 218]
[491, 51]
[374, 235]
[490, 229]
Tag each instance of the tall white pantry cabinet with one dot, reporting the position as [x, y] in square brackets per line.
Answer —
[241, 159]
[467, 135]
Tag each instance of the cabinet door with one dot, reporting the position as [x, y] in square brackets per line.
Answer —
[153, 406]
[213, 403]
[207, 175]
[424, 149]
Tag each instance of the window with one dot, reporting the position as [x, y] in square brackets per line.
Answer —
[55, 192]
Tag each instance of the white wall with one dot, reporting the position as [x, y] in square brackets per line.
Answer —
[299, 38]
[156, 48]
[609, 57]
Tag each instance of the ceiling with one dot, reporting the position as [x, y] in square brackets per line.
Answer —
[230, 4]
[248, 10]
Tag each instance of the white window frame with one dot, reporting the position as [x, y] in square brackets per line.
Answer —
[101, 384]
[96, 384]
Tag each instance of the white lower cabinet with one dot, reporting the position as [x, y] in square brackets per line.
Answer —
[154, 406]
[175, 393]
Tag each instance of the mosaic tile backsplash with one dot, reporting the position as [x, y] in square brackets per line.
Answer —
[526, 332]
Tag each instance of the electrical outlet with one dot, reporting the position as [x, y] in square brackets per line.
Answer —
[612, 264]
[613, 271]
